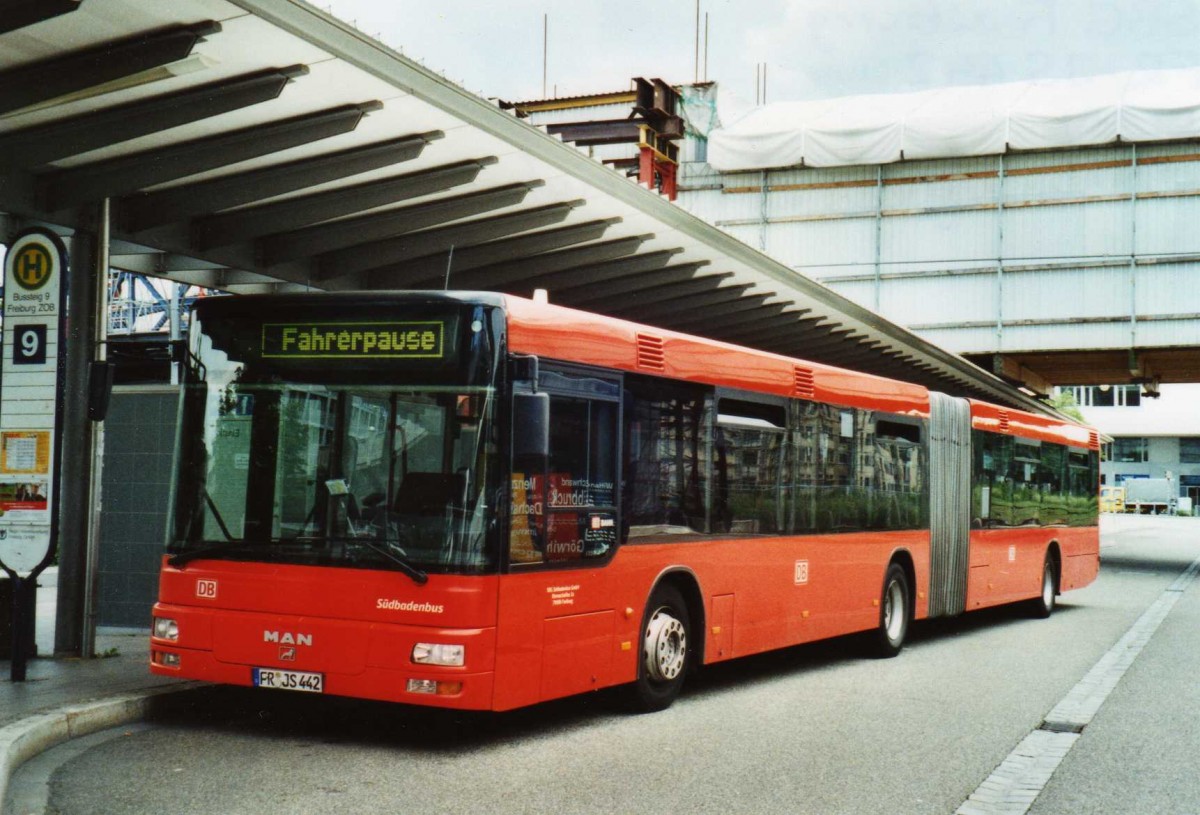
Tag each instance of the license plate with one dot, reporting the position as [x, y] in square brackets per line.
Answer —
[289, 680]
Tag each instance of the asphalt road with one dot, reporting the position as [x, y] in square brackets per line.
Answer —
[815, 729]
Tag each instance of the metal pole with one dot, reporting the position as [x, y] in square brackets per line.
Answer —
[762, 226]
[878, 237]
[1133, 248]
[24, 602]
[96, 464]
[705, 46]
[74, 482]
[177, 290]
[1000, 258]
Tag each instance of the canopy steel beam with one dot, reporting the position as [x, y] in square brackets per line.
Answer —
[603, 273]
[699, 294]
[582, 296]
[731, 312]
[41, 144]
[158, 264]
[653, 292]
[317, 240]
[505, 276]
[754, 310]
[818, 348]
[303, 210]
[115, 177]
[16, 14]
[775, 331]
[145, 210]
[432, 270]
[614, 131]
[52, 78]
[421, 244]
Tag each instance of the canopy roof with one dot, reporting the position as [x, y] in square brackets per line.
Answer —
[1139, 106]
[263, 145]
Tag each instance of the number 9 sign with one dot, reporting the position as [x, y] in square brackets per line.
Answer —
[29, 345]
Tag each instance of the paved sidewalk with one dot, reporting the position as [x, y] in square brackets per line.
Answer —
[54, 683]
[122, 666]
[65, 698]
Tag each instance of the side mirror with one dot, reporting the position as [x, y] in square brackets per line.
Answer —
[100, 384]
[531, 424]
[524, 369]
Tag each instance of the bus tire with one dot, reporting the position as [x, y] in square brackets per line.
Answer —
[894, 606]
[1042, 606]
[664, 654]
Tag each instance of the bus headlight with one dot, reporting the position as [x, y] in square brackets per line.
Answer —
[428, 653]
[166, 629]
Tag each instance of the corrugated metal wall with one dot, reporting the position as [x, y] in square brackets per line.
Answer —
[1081, 248]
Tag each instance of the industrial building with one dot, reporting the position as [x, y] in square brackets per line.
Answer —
[1044, 230]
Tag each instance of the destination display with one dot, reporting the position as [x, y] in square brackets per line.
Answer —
[355, 340]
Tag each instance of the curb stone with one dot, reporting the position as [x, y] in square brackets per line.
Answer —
[35, 734]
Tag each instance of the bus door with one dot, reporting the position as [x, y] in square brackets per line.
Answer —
[557, 620]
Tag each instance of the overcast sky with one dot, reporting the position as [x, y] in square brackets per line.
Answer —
[812, 48]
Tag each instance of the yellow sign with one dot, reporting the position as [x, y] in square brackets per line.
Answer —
[25, 452]
[33, 266]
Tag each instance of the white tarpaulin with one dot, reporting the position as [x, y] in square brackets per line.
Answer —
[963, 121]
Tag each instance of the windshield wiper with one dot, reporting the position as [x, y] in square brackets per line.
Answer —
[418, 576]
[183, 558]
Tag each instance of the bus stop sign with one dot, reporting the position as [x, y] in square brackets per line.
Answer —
[34, 289]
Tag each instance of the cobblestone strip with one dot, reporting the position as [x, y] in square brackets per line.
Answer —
[1012, 787]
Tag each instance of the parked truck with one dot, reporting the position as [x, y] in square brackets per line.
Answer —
[1148, 496]
[1112, 499]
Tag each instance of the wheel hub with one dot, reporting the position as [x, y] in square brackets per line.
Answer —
[665, 647]
[893, 611]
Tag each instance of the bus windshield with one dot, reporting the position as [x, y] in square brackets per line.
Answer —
[360, 463]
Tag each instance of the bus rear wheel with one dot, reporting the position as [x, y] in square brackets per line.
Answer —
[894, 608]
[664, 654]
[1042, 606]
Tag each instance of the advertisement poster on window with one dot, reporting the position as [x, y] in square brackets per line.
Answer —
[33, 313]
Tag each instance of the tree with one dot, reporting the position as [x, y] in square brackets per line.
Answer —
[1064, 402]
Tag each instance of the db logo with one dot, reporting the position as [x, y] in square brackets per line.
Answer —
[206, 589]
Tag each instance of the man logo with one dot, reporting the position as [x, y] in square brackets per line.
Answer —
[287, 654]
[33, 266]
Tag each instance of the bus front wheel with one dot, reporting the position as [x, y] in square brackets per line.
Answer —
[664, 655]
[893, 613]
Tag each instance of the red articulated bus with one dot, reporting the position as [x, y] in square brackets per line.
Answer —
[478, 501]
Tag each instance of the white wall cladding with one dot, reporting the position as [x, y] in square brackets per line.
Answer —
[925, 244]
[973, 300]
[1168, 288]
[1169, 226]
[952, 338]
[1065, 336]
[1074, 231]
[910, 242]
[1065, 294]
[821, 243]
[1154, 333]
